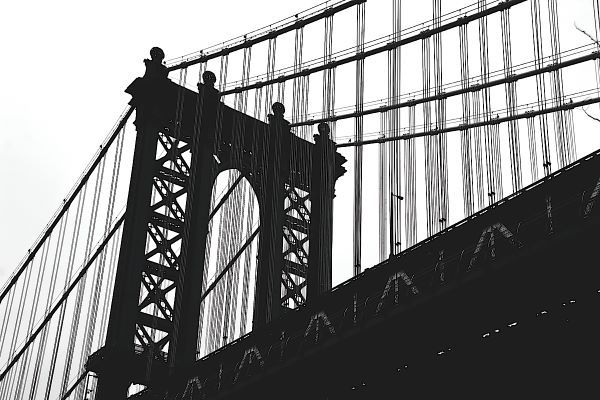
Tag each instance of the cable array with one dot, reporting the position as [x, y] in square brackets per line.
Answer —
[511, 104]
[465, 136]
[31, 316]
[441, 147]
[565, 140]
[410, 168]
[46, 338]
[394, 120]
[540, 81]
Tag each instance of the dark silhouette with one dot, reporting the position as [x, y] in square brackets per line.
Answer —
[155, 69]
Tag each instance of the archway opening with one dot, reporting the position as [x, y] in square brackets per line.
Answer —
[230, 264]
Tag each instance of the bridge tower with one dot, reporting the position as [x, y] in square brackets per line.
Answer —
[184, 140]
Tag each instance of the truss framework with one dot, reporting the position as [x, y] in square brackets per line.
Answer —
[296, 227]
[164, 233]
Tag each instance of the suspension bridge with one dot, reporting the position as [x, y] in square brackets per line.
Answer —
[317, 211]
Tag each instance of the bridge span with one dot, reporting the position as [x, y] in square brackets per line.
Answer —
[501, 303]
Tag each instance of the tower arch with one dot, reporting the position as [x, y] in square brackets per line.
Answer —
[230, 263]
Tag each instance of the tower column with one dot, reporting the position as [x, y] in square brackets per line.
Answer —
[274, 174]
[203, 173]
[117, 358]
[321, 221]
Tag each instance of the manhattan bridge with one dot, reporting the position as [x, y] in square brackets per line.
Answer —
[332, 207]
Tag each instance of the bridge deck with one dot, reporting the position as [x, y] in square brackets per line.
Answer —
[502, 301]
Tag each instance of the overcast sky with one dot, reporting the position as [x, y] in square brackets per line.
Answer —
[65, 65]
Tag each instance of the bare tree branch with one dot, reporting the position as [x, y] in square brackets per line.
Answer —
[595, 41]
[587, 34]
[589, 115]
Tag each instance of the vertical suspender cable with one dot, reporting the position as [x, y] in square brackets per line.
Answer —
[430, 193]
[493, 161]
[205, 336]
[5, 320]
[395, 166]
[223, 72]
[358, 136]
[540, 82]
[383, 190]
[82, 284]
[53, 278]
[511, 103]
[556, 86]
[73, 246]
[113, 255]
[440, 140]
[305, 89]
[8, 382]
[596, 11]
[244, 325]
[410, 181]
[270, 73]
[16, 375]
[328, 73]
[24, 372]
[465, 134]
[478, 151]
[92, 313]
[564, 134]
[297, 115]
[532, 148]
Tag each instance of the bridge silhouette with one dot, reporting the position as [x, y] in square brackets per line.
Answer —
[200, 254]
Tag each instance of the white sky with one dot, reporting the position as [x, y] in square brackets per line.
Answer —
[66, 64]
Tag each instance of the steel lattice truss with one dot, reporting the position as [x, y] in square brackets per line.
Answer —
[163, 244]
[296, 247]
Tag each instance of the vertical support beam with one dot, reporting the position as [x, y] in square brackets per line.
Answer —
[272, 178]
[203, 172]
[113, 382]
[321, 221]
